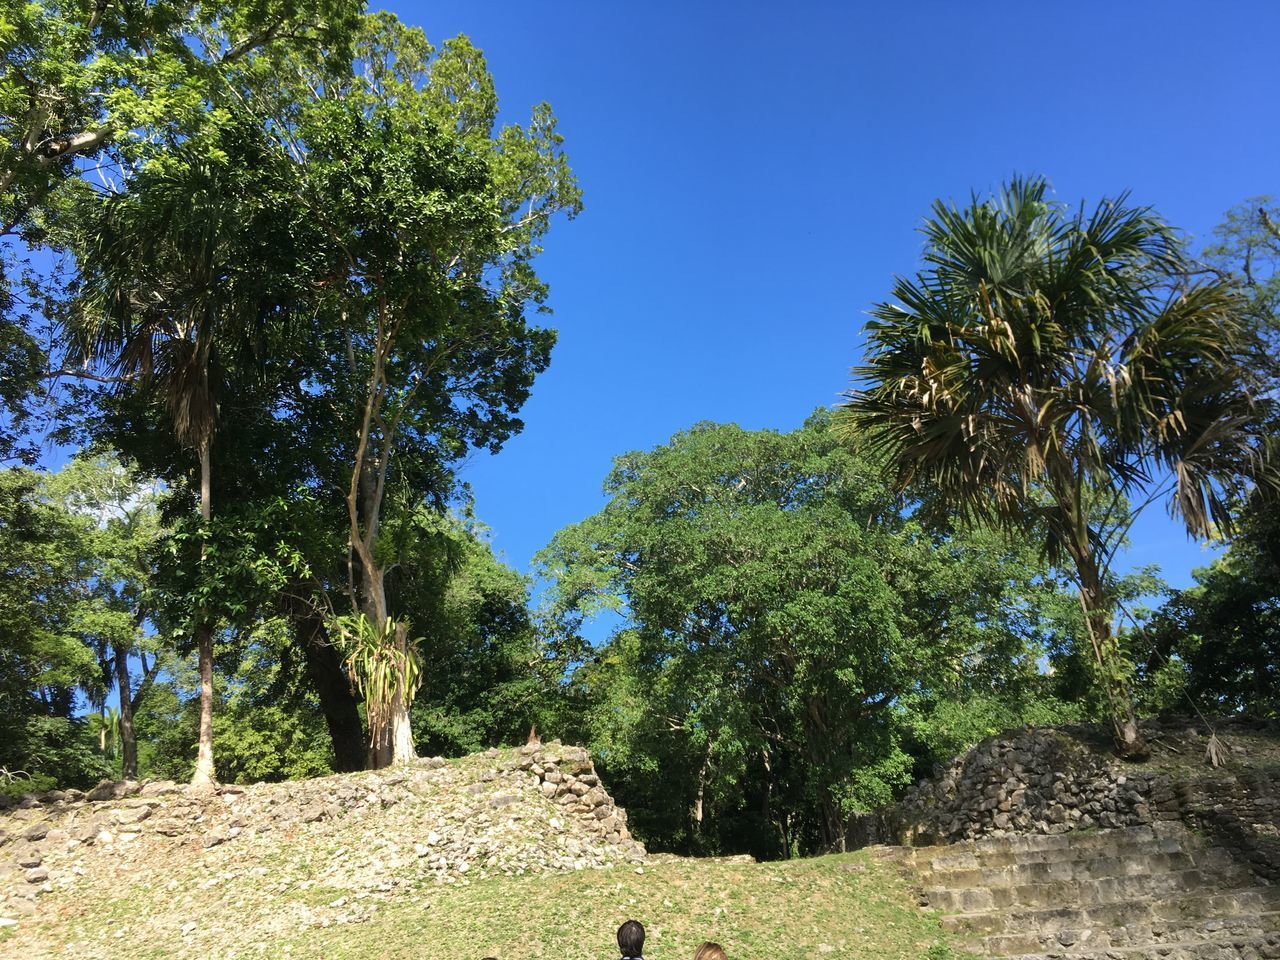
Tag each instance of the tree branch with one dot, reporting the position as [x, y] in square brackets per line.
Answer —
[1268, 224]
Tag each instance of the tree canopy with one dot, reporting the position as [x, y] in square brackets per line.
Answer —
[1049, 368]
[270, 275]
[780, 614]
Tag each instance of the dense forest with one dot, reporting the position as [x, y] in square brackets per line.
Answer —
[270, 276]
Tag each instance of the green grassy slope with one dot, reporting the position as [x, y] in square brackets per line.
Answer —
[842, 906]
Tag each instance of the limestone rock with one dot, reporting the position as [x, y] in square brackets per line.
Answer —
[511, 812]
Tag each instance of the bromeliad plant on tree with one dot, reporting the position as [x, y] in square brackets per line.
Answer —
[1050, 366]
[384, 666]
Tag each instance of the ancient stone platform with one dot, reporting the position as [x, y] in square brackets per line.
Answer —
[1152, 891]
[364, 835]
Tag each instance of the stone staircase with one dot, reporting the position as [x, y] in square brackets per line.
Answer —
[1149, 891]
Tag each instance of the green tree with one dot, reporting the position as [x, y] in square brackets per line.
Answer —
[105, 84]
[776, 614]
[44, 658]
[267, 726]
[433, 218]
[121, 543]
[1047, 367]
[75, 575]
[173, 293]
[1215, 646]
[486, 677]
[22, 358]
[89, 93]
[1246, 246]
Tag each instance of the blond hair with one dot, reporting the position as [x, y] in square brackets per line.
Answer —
[710, 951]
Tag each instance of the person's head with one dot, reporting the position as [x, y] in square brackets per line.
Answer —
[710, 951]
[631, 938]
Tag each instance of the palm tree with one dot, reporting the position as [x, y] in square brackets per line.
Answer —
[164, 299]
[1050, 366]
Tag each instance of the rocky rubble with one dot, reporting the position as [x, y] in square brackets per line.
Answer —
[359, 836]
[1033, 781]
[1051, 781]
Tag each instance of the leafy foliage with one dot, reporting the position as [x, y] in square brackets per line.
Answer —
[779, 622]
[1055, 350]
[1215, 647]
[267, 725]
[383, 664]
[1246, 246]
[486, 677]
[1047, 367]
[70, 578]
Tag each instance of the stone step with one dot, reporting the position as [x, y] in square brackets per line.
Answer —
[1189, 908]
[1072, 942]
[1243, 948]
[1174, 931]
[1080, 839]
[1156, 891]
[1218, 861]
[1079, 893]
[1130, 843]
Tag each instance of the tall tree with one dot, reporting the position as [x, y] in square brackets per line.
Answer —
[173, 289]
[74, 585]
[91, 91]
[123, 528]
[1216, 645]
[103, 85]
[1048, 367]
[775, 611]
[1246, 245]
[433, 218]
[43, 658]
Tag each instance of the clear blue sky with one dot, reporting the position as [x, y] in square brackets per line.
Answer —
[754, 174]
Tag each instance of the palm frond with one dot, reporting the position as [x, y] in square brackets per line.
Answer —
[1043, 348]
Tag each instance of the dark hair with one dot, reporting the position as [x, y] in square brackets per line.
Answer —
[631, 938]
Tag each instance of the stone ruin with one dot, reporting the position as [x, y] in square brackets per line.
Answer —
[1038, 845]
[1054, 780]
[538, 808]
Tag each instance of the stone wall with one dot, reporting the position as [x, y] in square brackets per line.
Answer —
[1055, 780]
[1031, 781]
[1240, 812]
[515, 811]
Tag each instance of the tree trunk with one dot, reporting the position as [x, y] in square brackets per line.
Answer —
[390, 733]
[817, 733]
[337, 703]
[379, 753]
[401, 733]
[699, 801]
[205, 773]
[834, 826]
[128, 738]
[766, 798]
[1130, 744]
[402, 747]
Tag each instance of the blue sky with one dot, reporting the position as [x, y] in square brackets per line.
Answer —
[754, 175]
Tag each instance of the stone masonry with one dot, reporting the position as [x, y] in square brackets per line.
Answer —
[1039, 844]
[1052, 781]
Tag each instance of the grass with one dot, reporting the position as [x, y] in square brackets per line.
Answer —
[846, 905]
